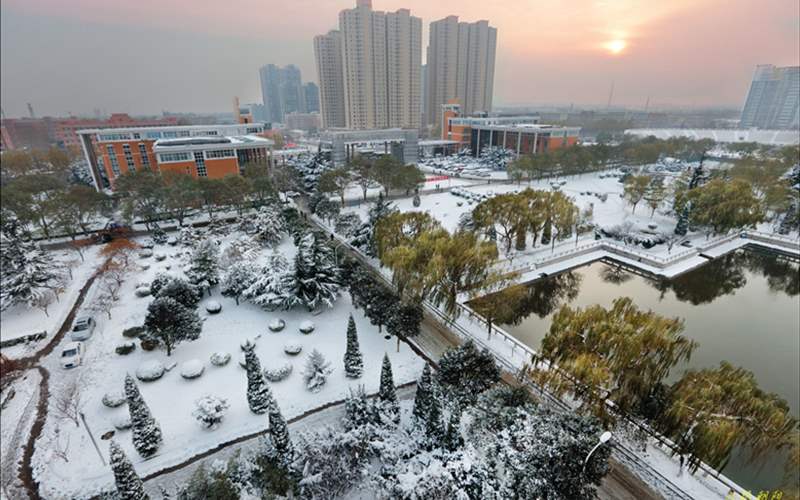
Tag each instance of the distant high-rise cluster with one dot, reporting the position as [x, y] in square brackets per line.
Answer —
[460, 66]
[371, 75]
[773, 101]
[283, 92]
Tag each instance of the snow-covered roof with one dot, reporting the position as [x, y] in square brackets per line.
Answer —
[210, 142]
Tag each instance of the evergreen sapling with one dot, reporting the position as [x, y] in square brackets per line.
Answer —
[259, 395]
[129, 485]
[353, 361]
[387, 394]
[146, 431]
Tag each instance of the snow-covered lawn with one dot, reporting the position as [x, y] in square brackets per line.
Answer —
[171, 399]
[20, 320]
[20, 398]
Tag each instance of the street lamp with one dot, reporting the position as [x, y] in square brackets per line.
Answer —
[604, 438]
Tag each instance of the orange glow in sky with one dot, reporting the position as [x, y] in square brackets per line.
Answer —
[615, 47]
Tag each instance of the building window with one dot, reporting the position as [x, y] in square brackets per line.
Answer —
[200, 163]
[153, 135]
[170, 157]
[112, 158]
[143, 152]
[169, 134]
[222, 153]
[253, 130]
[137, 135]
[113, 137]
[126, 149]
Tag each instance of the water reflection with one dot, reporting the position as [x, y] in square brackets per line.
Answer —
[545, 296]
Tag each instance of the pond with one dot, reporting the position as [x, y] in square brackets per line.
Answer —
[743, 307]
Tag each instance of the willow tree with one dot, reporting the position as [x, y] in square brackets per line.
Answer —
[619, 354]
[722, 205]
[714, 410]
[399, 229]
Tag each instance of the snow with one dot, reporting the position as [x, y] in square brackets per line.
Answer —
[18, 416]
[306, 326]
[192, 368]
[150, 370]
[213, 306]
[171, 399]
[20, 320]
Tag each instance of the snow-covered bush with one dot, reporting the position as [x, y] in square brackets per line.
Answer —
[209, 410]
[292, 349]
[122, 422]
[347, 224]
[145, 253]
[306, 327]
[192, 369]
[269, 225]
[276, 325]
[236, 279]
[132, 332]
[150, 370]
[125, 348]
[142, 291]
[270, 288]
[220, 358]
[316, 371]
[160, 257]
[113, 399]
[278, 374]
[213, 307]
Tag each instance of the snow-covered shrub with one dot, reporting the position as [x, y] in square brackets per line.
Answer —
[145, 253]
[150, 370]
[292, 349]
[278, 374]
[316, 371]
[125, 348]
[269, 225]
[209, 410]
[160, 257]
[248, 343]
[276, 325]
[113, 399]
[122, 422]
[271, 285]
[172, 241]
[132, 332]
[148, 344]
[192, 369]
[220, 358]
[213, 307]
[347, 224]
[307, 327]
[142, 291]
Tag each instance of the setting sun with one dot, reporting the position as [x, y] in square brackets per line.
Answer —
[616, 46]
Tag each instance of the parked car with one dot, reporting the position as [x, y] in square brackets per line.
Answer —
[72, 355]
[83, 328]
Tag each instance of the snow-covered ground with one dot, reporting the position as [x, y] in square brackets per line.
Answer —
[19, 399]
[171, 399]
[21, 320]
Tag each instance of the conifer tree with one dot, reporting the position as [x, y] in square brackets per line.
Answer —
[434, 426]
[203, 267]
[146, 431]
[259, 395]
[452, 437]
[129, 485]
[279, 435]
[425, 396]
[353, 362]
[387, 394]
[683, 222]
[315, 280]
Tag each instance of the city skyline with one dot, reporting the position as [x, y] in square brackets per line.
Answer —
[574, 57]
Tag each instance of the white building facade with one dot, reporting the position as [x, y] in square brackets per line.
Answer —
[773, 101]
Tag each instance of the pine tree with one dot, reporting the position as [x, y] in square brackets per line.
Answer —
[237, 279]
[365, 240]
[169, 323]
[129, 485]
[269, 289]
[259, 395]
[29, 275]
[279, 435]
[269, 225]
[316, 371]
[180, 290]
[203, 268]
[387, 394]
[683, 222]
[452, 439]
[353, 362]
[434, 426]
[424, 397]
[359, 410]
[315, 281]
[146, 431]
[404, 321]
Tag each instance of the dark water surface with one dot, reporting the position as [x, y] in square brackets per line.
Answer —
[743, 308]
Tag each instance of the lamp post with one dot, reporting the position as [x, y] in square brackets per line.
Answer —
[604, 438]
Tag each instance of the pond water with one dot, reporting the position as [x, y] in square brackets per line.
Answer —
[743, 308]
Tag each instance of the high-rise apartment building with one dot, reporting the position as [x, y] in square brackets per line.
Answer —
[328, 55]
[312, 97]
[379, 64]
[773, 101]
[460, 66]
[282, 91]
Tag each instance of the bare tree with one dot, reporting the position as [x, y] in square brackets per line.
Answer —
[43, 301]
[68, 401]
[104, 302]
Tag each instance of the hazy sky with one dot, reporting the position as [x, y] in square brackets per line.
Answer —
[195, 55]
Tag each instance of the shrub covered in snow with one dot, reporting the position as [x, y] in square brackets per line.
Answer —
[278, 374]
[150, 370]
[125, 348]
[132, 332]
[292, 349]
[122, 422]
[113, 399]
[145, 253]
[307, 326]
[213, 307]
[316, 371]
[142, 291]
[209, 411]
[277, 325]
[192, 369]
[220, 358]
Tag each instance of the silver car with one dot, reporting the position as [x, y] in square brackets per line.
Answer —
[83, 328]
